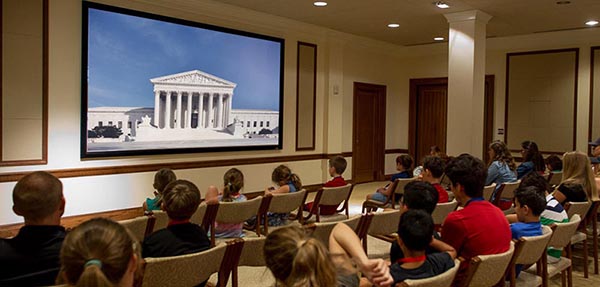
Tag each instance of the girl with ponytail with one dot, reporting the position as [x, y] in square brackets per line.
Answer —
[287, 182]
[233, 183]
[99, 252]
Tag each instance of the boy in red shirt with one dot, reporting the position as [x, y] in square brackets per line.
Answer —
[337, 166]
[433, 169]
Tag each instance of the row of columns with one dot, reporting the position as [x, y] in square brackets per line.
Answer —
[209, 116]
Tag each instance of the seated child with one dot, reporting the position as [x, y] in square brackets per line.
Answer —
[233, 182]
[337, 166]
[180, 200]
[554, 163]
[433, 169]
[403, 165]
[287, 182]
[162, 177]
[99, 252]
[529, 205]
[415, 233]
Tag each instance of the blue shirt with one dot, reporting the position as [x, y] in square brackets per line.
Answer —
[402, 174]
[524, 169]
[498, 173]
[520, 229]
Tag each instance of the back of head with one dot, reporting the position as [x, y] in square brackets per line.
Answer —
[96, 253]
[502, 154]
[416, 229]
[181, 199]
[537, 181]
[163, 177]
[298, 260]
[233, 182]
[420, 195]
[406, 161]
[577, 169]
[469, 172]
[37, 195]
[338, 163]
[532, 154]
[531, 197]
[282, 173]
[435, 165]
[554, 162]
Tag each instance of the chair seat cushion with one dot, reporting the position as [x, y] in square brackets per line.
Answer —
[527, 279]
[377, 248]
[578, 237]
[553, 268]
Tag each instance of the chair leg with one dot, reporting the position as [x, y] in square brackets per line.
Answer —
[585, 259]
[595, 241]
[563, 279]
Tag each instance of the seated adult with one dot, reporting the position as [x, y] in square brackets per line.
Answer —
[501, 168]
[33, 255]
[480, 228]
[532, 159]
[433, 169]
[578, 182]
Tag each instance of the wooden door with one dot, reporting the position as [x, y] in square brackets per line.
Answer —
[368, 145]
[431, 113]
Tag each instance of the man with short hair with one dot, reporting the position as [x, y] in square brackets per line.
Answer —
[32, 257]
[480, 228]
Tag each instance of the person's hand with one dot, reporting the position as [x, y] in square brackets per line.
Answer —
[378, 272]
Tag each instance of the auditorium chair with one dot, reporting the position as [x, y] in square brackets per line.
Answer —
[442, 280]
[338, 196]
[441, 211]
[530, 250]
[282, 203]
[235, 212]
[381, 233]
[397, 187]
[486, 270]
[488, 190]
[581, 209]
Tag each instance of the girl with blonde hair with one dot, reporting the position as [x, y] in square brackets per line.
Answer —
[578, 182]
[99, 252]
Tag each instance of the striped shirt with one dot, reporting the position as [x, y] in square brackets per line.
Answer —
[553, 213]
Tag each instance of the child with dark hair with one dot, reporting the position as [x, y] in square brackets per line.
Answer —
[180, 200]
[554, 163]
[433, 169]
[415, 234]
[233, 182]
[404, 166]
[529, 205]
[162, 177]
[287, 182]
[337, 166]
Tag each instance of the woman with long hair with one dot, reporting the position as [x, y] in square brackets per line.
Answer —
[578, 183]
[501, 167]
[532, 159]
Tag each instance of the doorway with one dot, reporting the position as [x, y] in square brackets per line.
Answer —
[368, 137]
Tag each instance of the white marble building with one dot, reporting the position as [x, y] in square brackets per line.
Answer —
[189, 105]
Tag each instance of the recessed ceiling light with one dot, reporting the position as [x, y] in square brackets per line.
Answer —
[591, 23]
[393, 25]
[320, 3]
[563, 2]
[438, 38]
[442, 5]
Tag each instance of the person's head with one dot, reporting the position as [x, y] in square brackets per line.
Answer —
[554, 163]
[433, 168]
[233, 182]
[537, 181]
[337, 165]
[38, 197]
[415, 230]
[498, 151]
[595, 147]
[163, 177]
[283, 175]
[577, 169]
[467, 175]
[298, 260]
[435, 151]
[419, 195]
[180, 199]
[530, 152]
[529, 204]
[98, 252]
[404, 162]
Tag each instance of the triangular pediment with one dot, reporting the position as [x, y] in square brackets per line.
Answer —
[193, 78]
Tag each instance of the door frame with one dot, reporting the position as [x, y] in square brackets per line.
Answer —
[488, 127]
[379, 140]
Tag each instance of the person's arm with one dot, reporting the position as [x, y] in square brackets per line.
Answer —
[443, 247]
[282, 189]
[512, 218]
[453, 233]
[343, 240]
[493, 171]
[212, 194]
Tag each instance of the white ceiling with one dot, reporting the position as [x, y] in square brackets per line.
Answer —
[421, 20]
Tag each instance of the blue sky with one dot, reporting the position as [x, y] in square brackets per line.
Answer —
[125, 52]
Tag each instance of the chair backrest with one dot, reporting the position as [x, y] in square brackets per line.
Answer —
[238, 212]
[335, 195]
[580, 208]
[554, 178]
[384, 223]
[529, 249]
[442, 280]
[322, 230]
[442, 210]
[488, 190]
[137, 226]
[183, 270]
[287, 202]
[562, 232]
[488, 270]
[402, 182]
[199, 214]
[508, 191]
[162, 220]
[252, 253]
